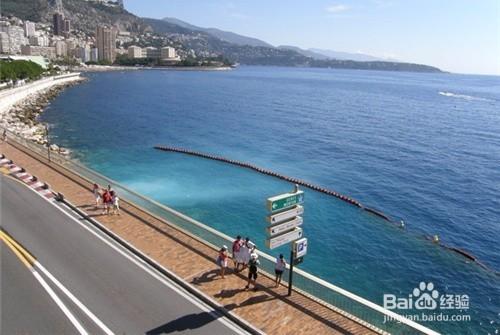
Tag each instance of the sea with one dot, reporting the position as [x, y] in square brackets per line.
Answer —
[421, 148]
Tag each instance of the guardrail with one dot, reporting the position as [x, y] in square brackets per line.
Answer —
[344, 302]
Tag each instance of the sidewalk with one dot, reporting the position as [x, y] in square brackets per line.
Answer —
[268, 309]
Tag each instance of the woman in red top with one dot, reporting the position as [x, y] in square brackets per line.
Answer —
[106, 200]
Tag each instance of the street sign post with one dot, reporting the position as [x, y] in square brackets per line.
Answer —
[284, 221]
[284, 201]
[279, 240]
[283, 216]
[284, 226]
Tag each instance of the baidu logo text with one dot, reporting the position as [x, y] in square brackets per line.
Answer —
[422, 297]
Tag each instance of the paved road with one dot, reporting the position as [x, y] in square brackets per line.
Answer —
[25, 306]
[119, 291]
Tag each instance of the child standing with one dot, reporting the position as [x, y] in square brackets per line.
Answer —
[97, 195]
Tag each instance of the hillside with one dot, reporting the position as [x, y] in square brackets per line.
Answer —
[226, 36]
[85, 16]
[189, 39]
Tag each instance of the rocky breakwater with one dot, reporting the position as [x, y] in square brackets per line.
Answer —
[22, 118]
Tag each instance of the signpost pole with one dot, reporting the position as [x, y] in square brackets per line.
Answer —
[48, 140]
[290, 274]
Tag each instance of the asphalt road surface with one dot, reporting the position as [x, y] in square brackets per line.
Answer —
[123, 295]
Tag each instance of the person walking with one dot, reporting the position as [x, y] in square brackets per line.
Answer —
[97, 195]
[4, 136]
[222, 260]
[236, 253]
[253, 265]
[116, 203]
[279, 268]
[107, 201]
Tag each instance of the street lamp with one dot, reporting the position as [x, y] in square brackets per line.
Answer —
[48, 140]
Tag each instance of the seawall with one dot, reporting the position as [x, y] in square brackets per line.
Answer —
[10, 97]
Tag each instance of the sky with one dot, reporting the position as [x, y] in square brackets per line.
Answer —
[461, 36]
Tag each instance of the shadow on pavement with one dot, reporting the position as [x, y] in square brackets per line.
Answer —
[205, 277]
[186, 322]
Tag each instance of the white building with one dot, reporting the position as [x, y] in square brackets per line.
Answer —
[61, 49]
[47, 52]
[83, 53]
[29, 29]
[4, 43]
[150, 52]
[15, 36]
[40, 41]
[134, 52]
[168, 53]
[94, 55]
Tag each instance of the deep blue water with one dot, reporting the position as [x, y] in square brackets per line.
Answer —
[424, 148]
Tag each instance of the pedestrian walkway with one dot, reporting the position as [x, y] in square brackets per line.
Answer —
[269, 309]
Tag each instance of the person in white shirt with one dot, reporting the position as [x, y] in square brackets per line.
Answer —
[279, 268]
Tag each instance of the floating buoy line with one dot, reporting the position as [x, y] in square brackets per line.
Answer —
[320, 189]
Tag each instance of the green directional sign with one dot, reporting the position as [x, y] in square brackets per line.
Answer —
[284, 201]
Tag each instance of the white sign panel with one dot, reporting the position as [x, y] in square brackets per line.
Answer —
[285, 226]
[283, 216]
[300, 247]
[279, 240]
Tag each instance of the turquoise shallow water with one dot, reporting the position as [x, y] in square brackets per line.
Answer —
[420, 147]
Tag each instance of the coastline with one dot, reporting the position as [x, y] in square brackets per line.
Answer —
[20, 107]
[108, 68]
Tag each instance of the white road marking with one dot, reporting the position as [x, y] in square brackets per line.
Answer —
[146, 267]
[59, 303]
[74, 299]
[143, 265]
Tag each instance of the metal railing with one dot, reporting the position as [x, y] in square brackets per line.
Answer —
[342, 301]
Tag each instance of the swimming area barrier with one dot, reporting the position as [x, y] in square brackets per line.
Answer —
[275, 174]
[399, 224]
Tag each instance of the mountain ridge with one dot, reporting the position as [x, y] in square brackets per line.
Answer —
[227, 36]
[85, 16]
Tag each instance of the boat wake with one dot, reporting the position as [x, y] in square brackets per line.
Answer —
[462, 96]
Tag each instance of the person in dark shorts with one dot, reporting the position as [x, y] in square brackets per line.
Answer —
[253, 265]
[279, 268]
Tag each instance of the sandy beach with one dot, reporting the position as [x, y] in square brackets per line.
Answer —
[20, 106]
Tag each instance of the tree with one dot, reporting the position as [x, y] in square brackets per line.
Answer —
[19, 69]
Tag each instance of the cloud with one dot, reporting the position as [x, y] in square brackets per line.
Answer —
[337, 8]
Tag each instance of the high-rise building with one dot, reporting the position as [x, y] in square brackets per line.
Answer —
[58, 24]
[106, 43]
[66, 26]
[29, 28]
